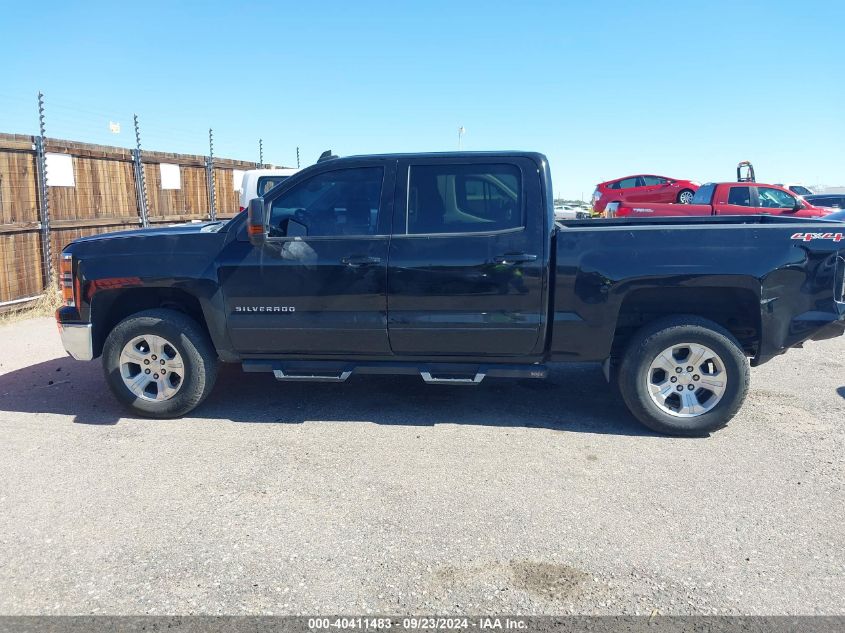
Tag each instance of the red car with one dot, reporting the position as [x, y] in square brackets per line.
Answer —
[643, 188]
[728, 198]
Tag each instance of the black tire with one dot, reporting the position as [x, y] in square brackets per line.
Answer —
[187, 338]
[682, 197]
[645, 347]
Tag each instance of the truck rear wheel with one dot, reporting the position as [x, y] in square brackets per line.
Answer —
[159, 363]
[684, 376]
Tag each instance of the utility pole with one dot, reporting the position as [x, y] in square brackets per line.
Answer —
[260, 153]
[461, 132]
[297, 157]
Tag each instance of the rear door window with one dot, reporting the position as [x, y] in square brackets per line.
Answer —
[629, 183]
[651, 181]
[740, 196]
[474, 198]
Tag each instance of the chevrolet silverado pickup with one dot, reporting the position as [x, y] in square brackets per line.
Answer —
[727, 198]
[451, 267]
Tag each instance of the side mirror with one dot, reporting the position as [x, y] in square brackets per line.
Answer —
[256, 222]
[798, 206]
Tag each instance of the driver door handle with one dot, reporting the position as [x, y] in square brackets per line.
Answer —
[514, 258]
[360, 260]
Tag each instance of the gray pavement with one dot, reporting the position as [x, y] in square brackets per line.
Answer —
[384, 495]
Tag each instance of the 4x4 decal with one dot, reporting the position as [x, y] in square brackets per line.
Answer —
[809, 237]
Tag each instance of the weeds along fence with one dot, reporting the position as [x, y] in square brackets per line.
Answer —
[55, 191]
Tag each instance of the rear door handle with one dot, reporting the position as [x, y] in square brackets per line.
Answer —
[515, 258]
[360, 260]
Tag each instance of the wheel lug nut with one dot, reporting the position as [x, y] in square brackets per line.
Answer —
[155, 376]
[163, 371]
[689, 369]
[161, 361]
[696, 377]
[673, 379]
[154, 356]
[680, 387]
[678, 370]
[146, 371]
[691, 387]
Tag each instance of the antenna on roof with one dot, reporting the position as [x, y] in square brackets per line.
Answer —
[327, 155]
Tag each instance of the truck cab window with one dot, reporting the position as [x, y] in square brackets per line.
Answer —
[771, 198]
[740, 196]
[333, 203]
[464, 198]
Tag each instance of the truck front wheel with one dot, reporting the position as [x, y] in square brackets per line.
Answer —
[159, 363]
[684, 376]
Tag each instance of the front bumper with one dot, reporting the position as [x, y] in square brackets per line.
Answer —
[77, 340]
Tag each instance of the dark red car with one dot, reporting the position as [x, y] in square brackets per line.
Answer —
[643, 188]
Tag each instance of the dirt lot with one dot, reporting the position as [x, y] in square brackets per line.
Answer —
[385, 495]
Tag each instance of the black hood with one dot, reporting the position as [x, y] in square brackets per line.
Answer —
[176, 229]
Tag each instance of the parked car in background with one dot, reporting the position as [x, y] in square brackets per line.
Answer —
[569, 212]
[795, 188]
[257, 182]
[728, 198]
[830, 200]
[643, 188]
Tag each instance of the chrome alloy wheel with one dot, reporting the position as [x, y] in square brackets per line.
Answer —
[151, 368]
[685, 197]
[687, 380]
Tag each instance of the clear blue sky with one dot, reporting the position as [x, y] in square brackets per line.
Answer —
[605, 89]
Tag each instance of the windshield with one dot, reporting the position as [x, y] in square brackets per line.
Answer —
[266, 183]
[801, 191]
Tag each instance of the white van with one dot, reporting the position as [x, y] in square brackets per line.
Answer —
[257, 182]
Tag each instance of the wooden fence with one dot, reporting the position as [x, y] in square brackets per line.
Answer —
[93, 189]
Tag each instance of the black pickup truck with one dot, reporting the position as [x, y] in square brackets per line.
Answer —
[451, 266]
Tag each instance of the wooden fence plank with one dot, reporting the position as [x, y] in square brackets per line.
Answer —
[104, 199]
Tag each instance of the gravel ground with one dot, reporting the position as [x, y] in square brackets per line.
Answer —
[383, 495]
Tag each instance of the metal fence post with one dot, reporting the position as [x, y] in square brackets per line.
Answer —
[209, 170]
[44, 195]
[140, 177]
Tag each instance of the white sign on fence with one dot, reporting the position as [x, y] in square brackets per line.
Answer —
[60, 170]
[238, 178]
[170, 176]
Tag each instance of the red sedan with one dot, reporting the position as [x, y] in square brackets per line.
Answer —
[643, 188]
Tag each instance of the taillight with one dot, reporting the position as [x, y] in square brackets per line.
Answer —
[66, 279]
[242, 209]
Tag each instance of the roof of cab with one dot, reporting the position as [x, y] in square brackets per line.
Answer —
[488, 154]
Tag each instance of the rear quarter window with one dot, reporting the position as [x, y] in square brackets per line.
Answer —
[704, 195]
